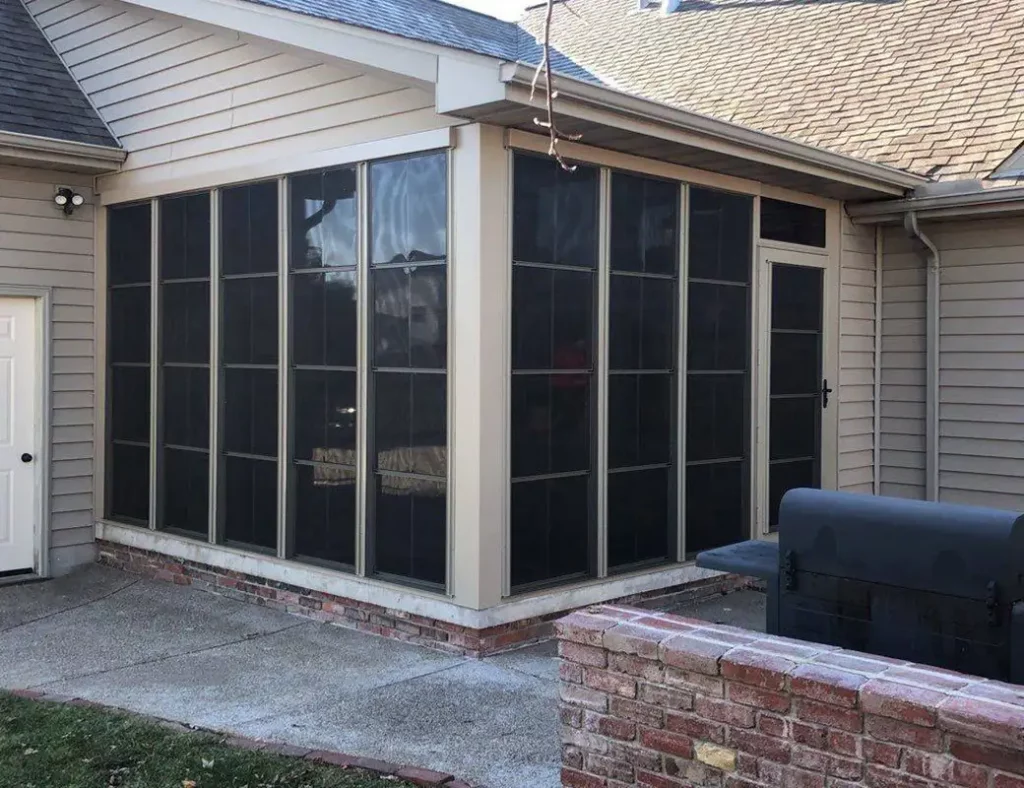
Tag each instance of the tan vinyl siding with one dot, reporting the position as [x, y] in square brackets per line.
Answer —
[902, 442]
[856, 358]
[186, 100]
[41, 247]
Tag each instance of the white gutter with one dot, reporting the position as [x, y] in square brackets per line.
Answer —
[877, 394]
[972, 203]
[933, 260]
[62, 154]
[877, 176]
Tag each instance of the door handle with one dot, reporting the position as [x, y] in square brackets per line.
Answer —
[26, 457]
[825, 391]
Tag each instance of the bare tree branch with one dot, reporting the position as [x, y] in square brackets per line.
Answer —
[544, 67]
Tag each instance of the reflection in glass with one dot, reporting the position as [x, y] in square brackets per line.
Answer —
[551, 414]
[551, 521]
[409, 202]
[645, 225]
[410, 312]
[324, 219]
[411, 528]
[324, 319]
[553, 323]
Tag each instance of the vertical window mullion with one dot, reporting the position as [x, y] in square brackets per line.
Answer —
[364, 448]
[215, 520]
[285, 533]
[600, 430]
[154, 364]
[682, 299]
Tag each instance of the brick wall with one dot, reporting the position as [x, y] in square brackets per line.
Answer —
[659, 701]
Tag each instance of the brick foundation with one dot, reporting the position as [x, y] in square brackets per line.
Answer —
[659, 701]
[371, 618]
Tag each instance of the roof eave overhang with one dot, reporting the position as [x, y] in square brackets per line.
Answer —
[47, 153]
[991, 203]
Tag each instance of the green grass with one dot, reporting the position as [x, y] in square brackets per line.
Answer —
[47, 745]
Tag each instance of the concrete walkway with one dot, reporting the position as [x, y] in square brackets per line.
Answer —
[205, 660]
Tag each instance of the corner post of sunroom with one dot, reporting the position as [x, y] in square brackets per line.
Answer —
[479, 334]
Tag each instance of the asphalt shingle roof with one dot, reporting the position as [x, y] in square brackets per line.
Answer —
[37, 94]
[931, 86]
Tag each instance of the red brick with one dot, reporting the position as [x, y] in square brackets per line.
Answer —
[995, 690]
[635, 757]
[620, 612]
[793, 649]
[724, 711]
[635, 640]
[883, 753]
[646, 669]
[612, 683]
[693, 772]
[609, 767]
[812, 760]
[693, 654]
[424, 777]
[995, 723]
[668, 623]
[770, 772]
[890, 730]
[666, 697]
[575, 779]
[663, 741]
[766, 671]
[651, 780]
[651, 716]
[695, 682]
[810, 735]
[1007, 781]
[773, 749]
[732, 781]
[901, 702]
[585, 628]
[772, 725]
[872, 666]
[929, 765]
[827, 684]
[570, 715]
[623, 730]
[844, 768]
[931, 678]
[969, 775]
[830, 716]
[570, 672]
[576, 695]
[880, 777]
[746, 764]
[797, 778]
[998, 758]
[592, 656]
[695, 727]
[755, 696]
[844, 743]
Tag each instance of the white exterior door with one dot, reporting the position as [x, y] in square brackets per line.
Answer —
[19, 414]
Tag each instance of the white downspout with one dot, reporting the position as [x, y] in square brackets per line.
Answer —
[877, 409]
[934, 263]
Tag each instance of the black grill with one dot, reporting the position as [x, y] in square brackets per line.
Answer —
[933, 583]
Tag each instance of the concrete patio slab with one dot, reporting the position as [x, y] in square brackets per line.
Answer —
[33, 601]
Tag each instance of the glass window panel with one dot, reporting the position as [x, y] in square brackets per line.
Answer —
[555, 215]
[324, 416]
[128, 490]
[716, 417]
[551, 525]
[786, 476]
[411, 428]
[128, 325]
[640, 420]
[250, 501]
[325, 513]
[185, 237]
[794, 427]
[185, 316]
[185, 492]
[411, 523]
[716, 503]
[186, 403]
[721, 235]
[324, 319]
[250, 411]
[645, 224]
[796, 363]
[129, 404]
[792, 222]
[551, 424]
[552, 318]
[797, 297]
[642, 323]
[409, 209]
[250, 321]
[640, 507]
[410, 316]
[129, 252]
[324, 224]
[718, 334]
[249, 237]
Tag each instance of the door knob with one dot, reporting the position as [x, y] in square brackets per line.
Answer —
[26, 457]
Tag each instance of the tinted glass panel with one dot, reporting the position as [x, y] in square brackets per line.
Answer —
[796, 366]
[645, 225]
[550, 529]
[716, 501]
[250, 493]
[128, 492]
[640, 504]
[410, 313]
[129, 253]
[250, 321]
[551, 424]
[186, 406]
[555, 215]
[793, 223]
[249, 235]
[640, 420]
[128, 325]
[718, 334]
[324, 224]
[796, 297]
[324, 416]
[250, 412]
[786, 476]
[410, 431]
[129, 404]
[324, 314]
[411, 516]
[716, 417]
[721, 235]
[325, 512]
[186, 322]
[185, 237]
[409, 205]
[185, 496]
[642, 328]
[794, 427]
[552, 318]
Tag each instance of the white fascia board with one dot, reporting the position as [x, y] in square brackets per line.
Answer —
[52, 153]
[462, 84]
[987, 202]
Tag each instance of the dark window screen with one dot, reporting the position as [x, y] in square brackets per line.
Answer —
[554, 290]
[792, 222]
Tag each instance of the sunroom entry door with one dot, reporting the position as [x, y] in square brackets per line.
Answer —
[798, 385]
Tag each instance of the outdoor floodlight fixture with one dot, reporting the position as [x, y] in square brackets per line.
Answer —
[68, 200]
